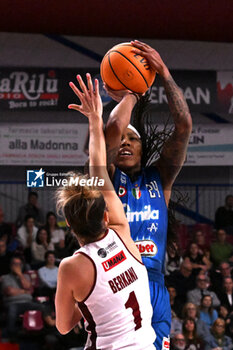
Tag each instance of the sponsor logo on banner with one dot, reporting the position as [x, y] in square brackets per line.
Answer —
[166, 343]
[114, 261]
[35, 178]
[225, 91]
[23, 89]
[136, 192]
[146, 247]
[122, 191]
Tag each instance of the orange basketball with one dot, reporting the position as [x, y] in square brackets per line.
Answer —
[123, 69]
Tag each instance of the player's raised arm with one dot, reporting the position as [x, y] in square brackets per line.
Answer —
[174, 150]
[91, 107]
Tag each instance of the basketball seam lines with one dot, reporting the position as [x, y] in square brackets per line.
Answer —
[131, 63]
[115, 74]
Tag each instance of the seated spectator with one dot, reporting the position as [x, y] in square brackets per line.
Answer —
[32, 209]
[178, 342]
[48, 275]
[172, 260]
[224, 215]
[40, 246]
[207, 313]
[193, 342]
[5, 258]
[217, 338]
[200, 239]
[17, 296]
[57, 234]
[226, 297]
[224, 314]
[217, 276]
[190, 310]
[174, 302]
[5, 229]
[26, 235]
[182, 280]
[199, 261]
[202, 288]
[220, 250]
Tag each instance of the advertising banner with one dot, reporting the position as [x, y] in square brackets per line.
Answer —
[211, 145]
[48, 144]
[48, 89]
[67, 144]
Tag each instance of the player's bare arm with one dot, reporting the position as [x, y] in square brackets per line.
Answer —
[174, 150]
[118, 120]
[91, 107]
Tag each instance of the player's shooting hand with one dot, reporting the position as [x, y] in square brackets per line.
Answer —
[153, 57]
[91, 103]
[116, 95]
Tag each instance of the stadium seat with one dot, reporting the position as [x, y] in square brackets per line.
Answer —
[32, 320]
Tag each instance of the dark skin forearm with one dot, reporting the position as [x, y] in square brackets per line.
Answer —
[177, 104]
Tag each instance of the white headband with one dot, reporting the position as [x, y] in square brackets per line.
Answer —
[131, 127]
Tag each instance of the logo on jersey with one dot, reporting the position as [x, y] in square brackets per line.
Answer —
[123, 178]
[166, 343]
[136, 192]
[147, 247]
[102, 253]
[114, 261]
[143, 215]
[122, 191]
[153, 227]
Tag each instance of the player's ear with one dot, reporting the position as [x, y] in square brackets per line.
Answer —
[106, 216]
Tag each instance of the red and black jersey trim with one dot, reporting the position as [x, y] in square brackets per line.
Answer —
[91, 327]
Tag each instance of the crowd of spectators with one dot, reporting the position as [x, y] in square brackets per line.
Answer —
[200, 285]
[30, 252]
[198, 274]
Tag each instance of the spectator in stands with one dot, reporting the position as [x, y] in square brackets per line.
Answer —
[17, 296]
[199, 261]
[182, 280]
[207, 313]
[26, 235]
[5, 258]
[32, 209]
[5, 229]
[53, 339]
[190, 310]
[200, 239]
[226, 297]
[57, 234]
[174, 302]
[193, 342]
[40, 246]
[202, 284]
[178, 342]
[220, 250]
[224, 314]
[217, 340]
[224, 215]
[48, 275]
[27, 232]
[172, 260]
[217, 276]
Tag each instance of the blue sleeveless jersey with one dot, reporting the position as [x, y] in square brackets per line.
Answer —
[146, 211]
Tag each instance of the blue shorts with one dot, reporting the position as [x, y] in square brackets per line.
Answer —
[161, 319]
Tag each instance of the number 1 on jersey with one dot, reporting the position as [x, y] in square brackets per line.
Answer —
[132, 303]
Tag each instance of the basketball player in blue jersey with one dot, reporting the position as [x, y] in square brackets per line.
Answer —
[145, 191]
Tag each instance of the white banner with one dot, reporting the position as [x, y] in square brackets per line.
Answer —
[65, 144]
[43, 144]
[211, 145]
